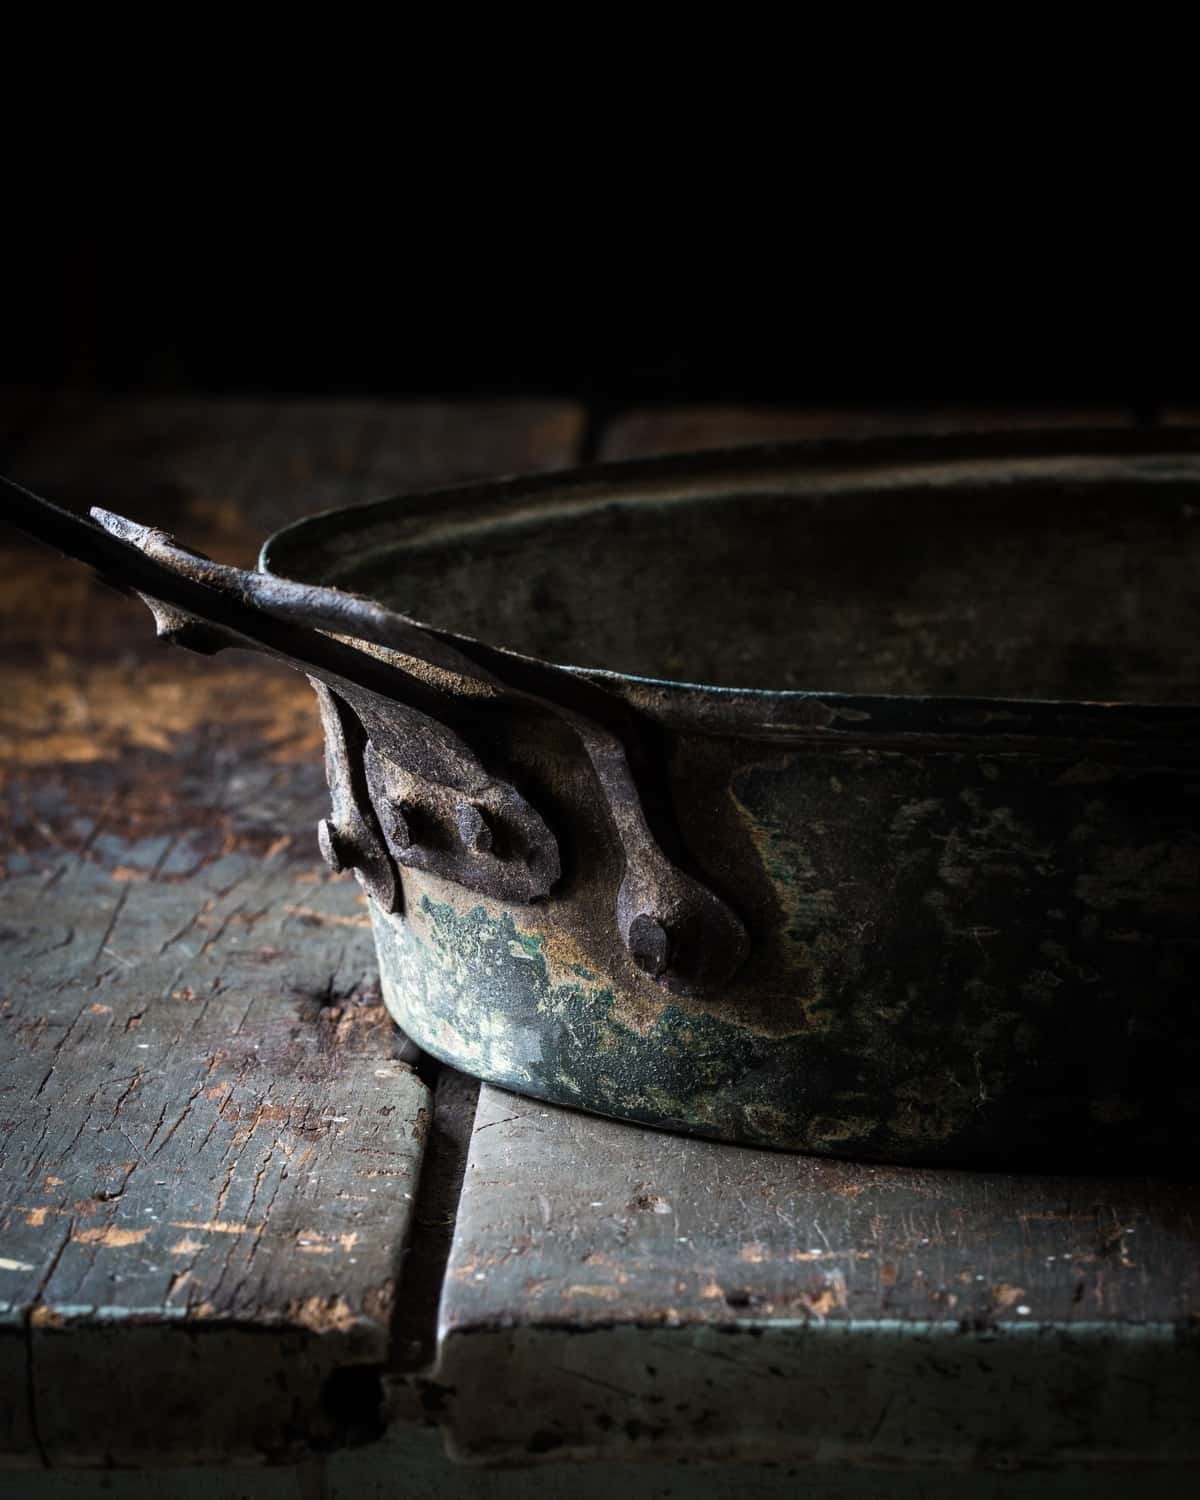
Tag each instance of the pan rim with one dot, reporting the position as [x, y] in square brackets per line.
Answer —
[1159, 454]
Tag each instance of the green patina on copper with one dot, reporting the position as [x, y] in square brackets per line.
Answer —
[480, 991]
[930, 962]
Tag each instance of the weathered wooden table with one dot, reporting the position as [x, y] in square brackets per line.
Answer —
[243, 1222]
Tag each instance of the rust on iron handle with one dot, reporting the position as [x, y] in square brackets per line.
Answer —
[408, 785]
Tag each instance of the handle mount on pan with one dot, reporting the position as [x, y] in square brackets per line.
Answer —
[407, 786]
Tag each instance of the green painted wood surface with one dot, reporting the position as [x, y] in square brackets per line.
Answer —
[647, 1294]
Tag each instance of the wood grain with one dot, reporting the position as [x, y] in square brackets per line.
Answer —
[652, 1295]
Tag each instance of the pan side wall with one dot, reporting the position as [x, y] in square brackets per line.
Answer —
[956, 956]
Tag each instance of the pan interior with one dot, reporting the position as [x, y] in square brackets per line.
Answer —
[1052, 581]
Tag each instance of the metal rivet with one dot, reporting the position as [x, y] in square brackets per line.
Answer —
[649, 944]
[473, 829]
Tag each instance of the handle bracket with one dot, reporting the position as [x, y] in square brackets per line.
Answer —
[401, 704]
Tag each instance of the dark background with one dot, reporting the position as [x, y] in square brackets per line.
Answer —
[287, 257]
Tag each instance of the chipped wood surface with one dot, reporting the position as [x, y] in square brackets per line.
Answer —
[743, 1304]
[581, 1221]
[209, 1142]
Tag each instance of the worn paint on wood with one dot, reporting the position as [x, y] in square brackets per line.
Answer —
[210, 1142]
[741, 1303]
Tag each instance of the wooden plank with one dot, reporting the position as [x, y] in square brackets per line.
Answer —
[675, 429]
[732, 1233]
[221, 1135]
[654, 1295]
[417, 1469]
[208, 1139]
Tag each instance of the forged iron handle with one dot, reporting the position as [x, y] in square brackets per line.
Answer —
[286, 618]
[308, 605]
[370, 700]
[675, 928]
